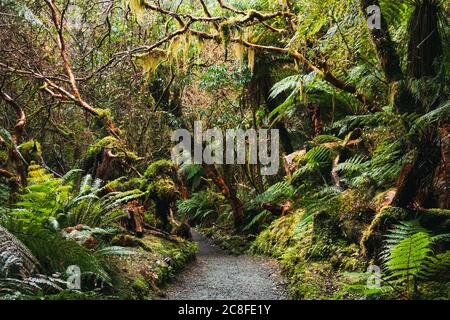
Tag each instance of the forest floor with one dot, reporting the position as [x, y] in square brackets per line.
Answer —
[217, 275]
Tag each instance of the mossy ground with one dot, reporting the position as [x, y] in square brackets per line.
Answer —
[311, 258]
[155, 262]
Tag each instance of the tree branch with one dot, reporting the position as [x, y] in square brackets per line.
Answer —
[21, 117]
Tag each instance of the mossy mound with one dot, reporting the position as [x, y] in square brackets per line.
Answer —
[155, 262]
[111, 143]
[160, 168]
[311, 255]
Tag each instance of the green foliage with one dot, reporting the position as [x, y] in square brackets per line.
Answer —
[89, 207]
[23, 11]
[42, 243]
[275, 194]
[56, 201]
[202, 206]
[316, 161]
[43, 199]
[309, 89]
[382, 169]
[409, 257]
[221, 77]
[193, 174]
[430, 119]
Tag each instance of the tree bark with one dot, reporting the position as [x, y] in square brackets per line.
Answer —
[385, 48]
[229, 193]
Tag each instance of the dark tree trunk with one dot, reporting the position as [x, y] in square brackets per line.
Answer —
[425, 44]
[162, 213]
[416, 178]
[385, 48]
[264, 83]
[400, 95]
[229, 193]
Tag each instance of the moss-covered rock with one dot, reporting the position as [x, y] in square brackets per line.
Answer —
[355, 213]
[155, 262]
[141, 288]
[371, 240]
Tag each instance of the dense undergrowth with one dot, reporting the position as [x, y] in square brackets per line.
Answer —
[61, 223]
[92, 93]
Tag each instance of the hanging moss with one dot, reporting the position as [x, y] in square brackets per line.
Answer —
[238, 49]
[225, 36]
[251, 59]
[137, 8]
[150, 61]
[31, 151]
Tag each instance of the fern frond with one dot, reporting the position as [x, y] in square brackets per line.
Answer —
[408, 257]
[15, 258]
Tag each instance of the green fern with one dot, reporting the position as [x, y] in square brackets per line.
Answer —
[317, 159]
[430, 119]
[409, 257]
[42, 243]
[201, 205]
[275, 194]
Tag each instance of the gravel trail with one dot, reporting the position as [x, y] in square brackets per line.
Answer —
[216, 275]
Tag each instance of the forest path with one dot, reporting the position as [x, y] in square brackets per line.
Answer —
[216, 275]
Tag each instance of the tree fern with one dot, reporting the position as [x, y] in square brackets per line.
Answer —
[42, 243]
[317, 159]
[275, 194]
[326, 200]
[406, 259]
[430, 119]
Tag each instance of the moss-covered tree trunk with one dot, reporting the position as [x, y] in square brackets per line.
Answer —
[389, 60]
